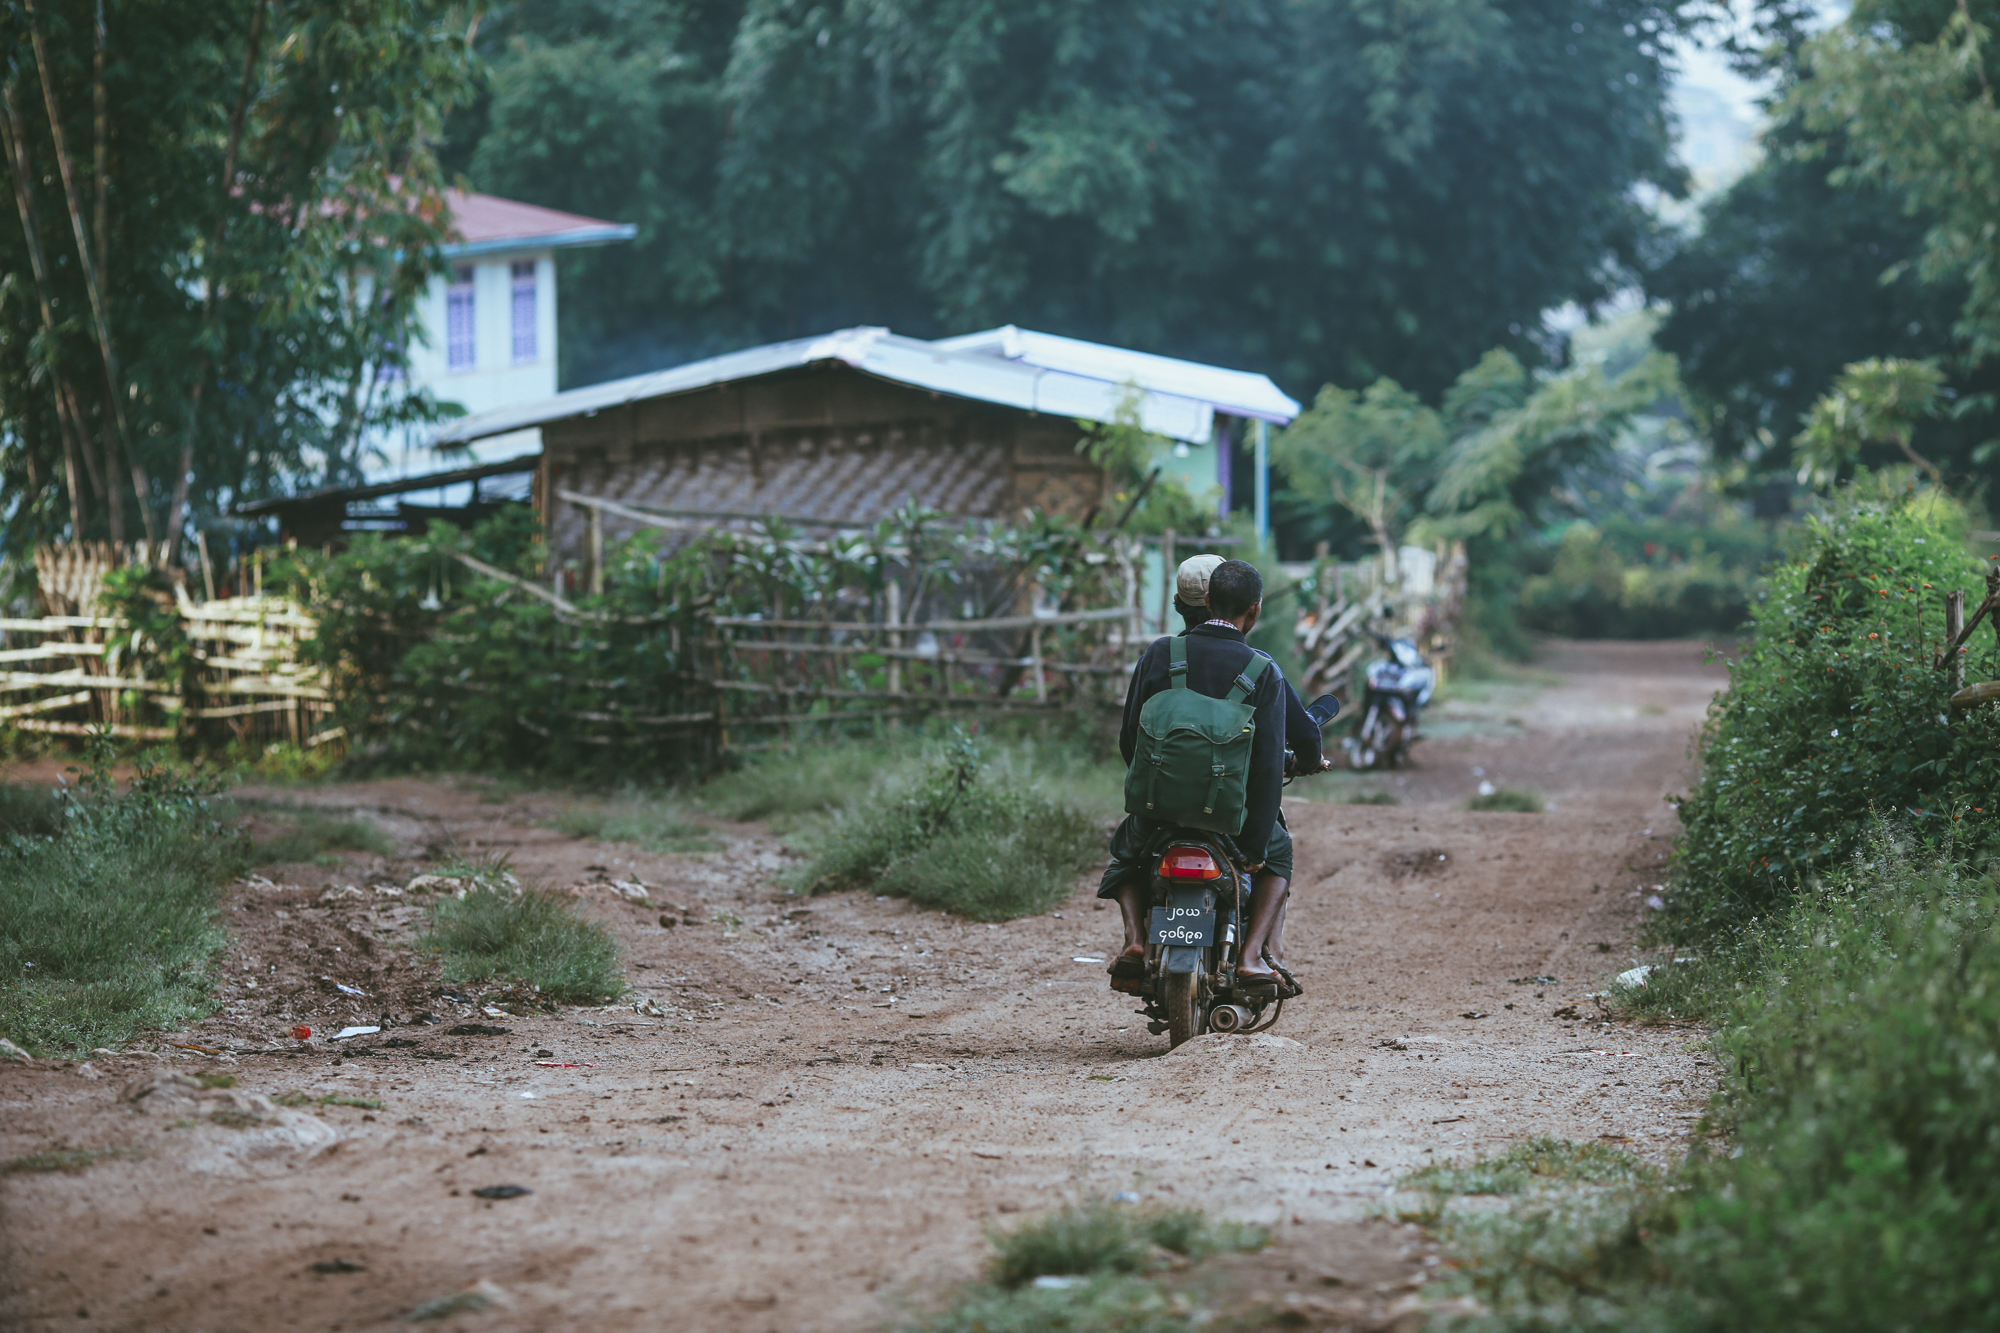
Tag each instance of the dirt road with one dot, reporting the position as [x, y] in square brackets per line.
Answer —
[844, 1092]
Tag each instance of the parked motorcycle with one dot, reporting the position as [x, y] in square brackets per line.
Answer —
[1399, 685]
[1200, 895]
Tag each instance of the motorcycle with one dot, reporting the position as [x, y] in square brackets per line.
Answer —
[1200, 893]
[1399, 685]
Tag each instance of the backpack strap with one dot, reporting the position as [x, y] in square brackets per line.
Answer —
[1177, 663]
[1247, 682]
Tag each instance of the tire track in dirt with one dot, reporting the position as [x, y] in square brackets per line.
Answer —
[846, 1092]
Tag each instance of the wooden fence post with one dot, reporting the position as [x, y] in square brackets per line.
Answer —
[893, 612]
[1168, 548]
[1035, 655]
[1954, 625]
[595, 522]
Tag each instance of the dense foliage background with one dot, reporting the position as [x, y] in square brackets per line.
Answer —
[1325, 189]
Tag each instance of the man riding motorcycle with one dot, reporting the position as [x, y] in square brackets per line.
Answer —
[1229, 595]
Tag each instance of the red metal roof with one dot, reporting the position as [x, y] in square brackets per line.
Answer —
[484, 222]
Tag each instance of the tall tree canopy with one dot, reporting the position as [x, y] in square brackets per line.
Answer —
[1327, 189]
[220, 216]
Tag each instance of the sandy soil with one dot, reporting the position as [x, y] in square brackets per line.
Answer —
[843, 1093]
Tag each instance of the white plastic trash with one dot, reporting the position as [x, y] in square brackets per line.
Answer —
[1634, 977]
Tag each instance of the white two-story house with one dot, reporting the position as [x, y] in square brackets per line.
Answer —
[488, 327]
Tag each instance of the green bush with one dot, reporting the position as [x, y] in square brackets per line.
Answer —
[948, 838]
[1834, 714]
[108, 924]
[1646, 578]
[526, 937]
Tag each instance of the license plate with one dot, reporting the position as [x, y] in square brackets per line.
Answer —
[1183, 926]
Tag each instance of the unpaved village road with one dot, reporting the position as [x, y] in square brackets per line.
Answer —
[845, 1092]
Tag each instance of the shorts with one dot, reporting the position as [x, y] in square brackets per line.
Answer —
[1128, 850]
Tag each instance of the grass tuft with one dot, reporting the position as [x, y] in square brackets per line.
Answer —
[1092, 1267]
[1375, 797]
[1517, 800]
[1099, 1236]
[530, 937]
[307, 836]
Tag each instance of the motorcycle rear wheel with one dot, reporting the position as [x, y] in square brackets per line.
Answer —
[1185, 1011]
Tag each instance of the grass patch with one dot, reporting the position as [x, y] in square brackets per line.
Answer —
[1517, 800]
[297, 1098]
[652, 822]
[1375, 797]
[529, 937]
[960, 836]
[108, 926]
[1092, 1267]
[1538, 1163]
[787, 787]
[306, 836]
[69, 1161]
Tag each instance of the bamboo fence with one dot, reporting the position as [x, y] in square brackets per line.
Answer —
[247, 680]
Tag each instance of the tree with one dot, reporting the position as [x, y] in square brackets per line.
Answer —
[1914, 98]
[1325, 189]
[1861, 236]
[222, 217]
[1371, 453]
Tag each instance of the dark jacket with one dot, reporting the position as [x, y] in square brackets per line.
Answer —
[1216, 656]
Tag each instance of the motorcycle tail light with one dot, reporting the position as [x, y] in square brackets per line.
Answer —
[1189, 863]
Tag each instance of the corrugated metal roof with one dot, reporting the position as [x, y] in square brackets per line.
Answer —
[1240, 393]
[1035, 372]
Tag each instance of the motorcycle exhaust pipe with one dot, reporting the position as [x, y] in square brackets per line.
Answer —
[1229, 1018]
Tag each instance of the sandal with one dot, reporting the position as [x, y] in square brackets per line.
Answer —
[1258, 985]
[1288, 985]
[1128, 967]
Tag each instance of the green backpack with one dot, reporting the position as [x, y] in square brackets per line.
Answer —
[1192, 763]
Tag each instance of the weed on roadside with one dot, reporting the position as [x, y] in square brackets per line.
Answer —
[531, 937]
[655, 823]
[1516, 800]
[108, 926]
[307, 836]
[1375, 797]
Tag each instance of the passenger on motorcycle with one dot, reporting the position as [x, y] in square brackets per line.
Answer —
[1230, 596]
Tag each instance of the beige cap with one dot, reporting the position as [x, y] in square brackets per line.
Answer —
[1192, 581]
